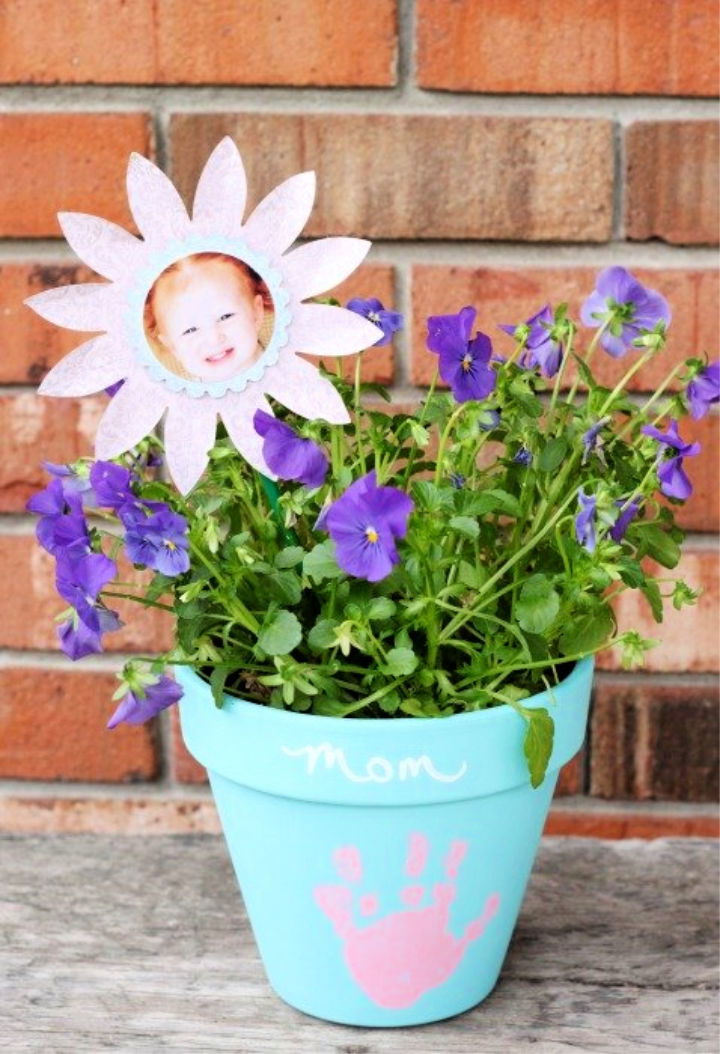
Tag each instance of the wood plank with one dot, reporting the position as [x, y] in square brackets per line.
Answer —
[141, 944]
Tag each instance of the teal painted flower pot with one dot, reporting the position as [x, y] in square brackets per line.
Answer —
[382, 862]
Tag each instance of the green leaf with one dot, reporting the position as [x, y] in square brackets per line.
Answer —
[552, 454]
[537, 605]
[651, 591]
[465, 525]
[420, 435]
[495, 501]
[381, 608]
[658, 544]
[470, 575]
[432, 498]
[322, 635]
[285, 587]
[588, 632]
[400, 662]
[218, 677]
[584, 371]
[320, 562]
[289, 557]
[538, 742]
[279, 633]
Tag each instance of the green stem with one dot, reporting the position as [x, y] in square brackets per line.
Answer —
[470, 612]
[421, 420]
[140, 600]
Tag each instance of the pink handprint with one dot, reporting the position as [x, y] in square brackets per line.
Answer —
[399, 957]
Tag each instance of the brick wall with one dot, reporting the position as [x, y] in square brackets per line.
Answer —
[496, 154]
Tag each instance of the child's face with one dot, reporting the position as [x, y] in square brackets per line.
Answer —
[209, 319]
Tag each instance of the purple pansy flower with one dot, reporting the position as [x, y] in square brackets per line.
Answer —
[704, 390]
[585, 520]
[591, 440]
[62, 524]
[78, 640]
[457, 480]
[79, 578]
[629, 511]
[73, 482]
[628, 308]
[541, 349]
[464, 363]
[141, 704]
[111, 484]
[288, 454]
[674, 482]
[388, 321]
[523, 456]
[159, 541]
[364, 523]
[113, 389]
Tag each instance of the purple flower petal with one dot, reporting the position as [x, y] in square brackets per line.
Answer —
[139, 706]
[674, 481]
[388, 321]
[704, 390]
[364, 523]
[288, 454]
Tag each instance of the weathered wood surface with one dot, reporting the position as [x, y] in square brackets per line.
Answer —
[141, 944]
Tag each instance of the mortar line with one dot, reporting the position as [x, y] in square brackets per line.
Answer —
[405, 99]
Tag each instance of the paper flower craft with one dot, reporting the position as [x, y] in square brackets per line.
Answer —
[204, 315]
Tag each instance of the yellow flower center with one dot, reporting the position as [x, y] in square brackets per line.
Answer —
[371, 534]
[467, 362]
[170, 545]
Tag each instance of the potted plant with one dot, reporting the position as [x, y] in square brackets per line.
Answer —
[384, 657]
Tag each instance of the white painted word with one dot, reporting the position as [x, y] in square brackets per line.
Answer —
[377, 769]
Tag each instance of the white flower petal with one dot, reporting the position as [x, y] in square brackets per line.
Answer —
[298, 385]
[89, 368]
[320, 329]
[221, 194]
[104, 246]
[156, 206]
[91, 308]
[280, 217]
[320, 265]
[131, 415]
[189, 435]
[237, 411]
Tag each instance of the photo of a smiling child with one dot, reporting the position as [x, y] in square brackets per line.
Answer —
[208, 317]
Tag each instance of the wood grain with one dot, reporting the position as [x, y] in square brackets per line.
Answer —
[142, 944]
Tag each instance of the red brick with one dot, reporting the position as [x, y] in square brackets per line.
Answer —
[570, 780]
[654, 741]
[672, 188]
[293, 42]
[516, 46]
[66, 162]
[504, 295]
[689, 637]
[183, 766]
[32, 604]
[519, 178]
[136, 815]
[30, 344]
[34, 428]
[702, 511]
[593, 824]
[52, 727]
